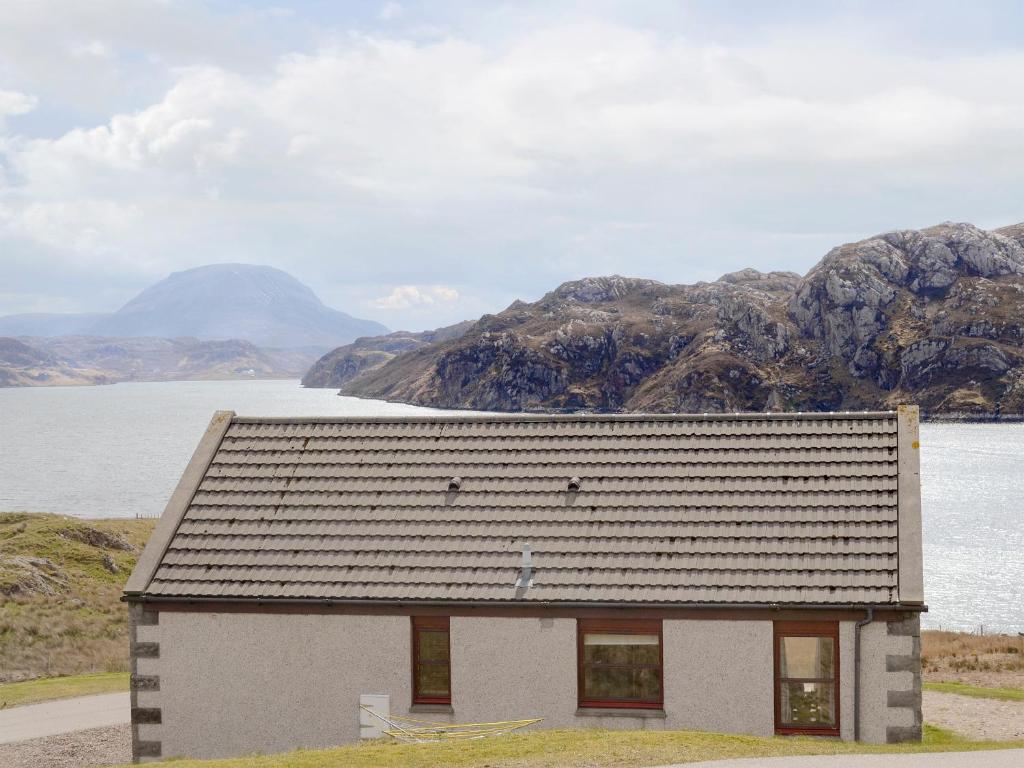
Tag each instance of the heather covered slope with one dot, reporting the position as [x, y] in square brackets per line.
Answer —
[60, 593]
[934, 316]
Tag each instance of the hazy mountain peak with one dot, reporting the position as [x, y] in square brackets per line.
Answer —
[257, 303]
[231, 282]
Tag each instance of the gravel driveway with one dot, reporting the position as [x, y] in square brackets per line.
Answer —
[97, 746]
[983, 719]
[49, 718]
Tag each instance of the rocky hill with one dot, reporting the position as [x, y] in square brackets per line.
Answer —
[217, 302]
[60, 587]
[66, 360]
[22, 365]
[369, 353]
[934, 316]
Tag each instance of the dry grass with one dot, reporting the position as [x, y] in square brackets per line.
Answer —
[49, 688]
[949, 644]
[60, 588]
[987, 661]
[582, 749]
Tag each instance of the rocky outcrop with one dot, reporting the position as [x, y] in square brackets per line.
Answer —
[615, 343]
[934, 316]
[369, 353]
[904, 312]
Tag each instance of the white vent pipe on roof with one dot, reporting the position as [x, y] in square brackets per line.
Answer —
[526, 569]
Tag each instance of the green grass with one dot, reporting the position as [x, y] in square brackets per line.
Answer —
[583, 749]
[977, 691]
[48, 688]
[60, 587]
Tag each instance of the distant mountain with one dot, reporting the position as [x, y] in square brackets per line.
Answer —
[262, 305]
[342, 365]
[934, 316]
[66, 360]
[23, 365]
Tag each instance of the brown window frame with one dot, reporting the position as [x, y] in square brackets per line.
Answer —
[619, 627]
[806, 629]
[430, 624]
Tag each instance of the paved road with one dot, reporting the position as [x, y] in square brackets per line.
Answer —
[997, 758]
[63, 716]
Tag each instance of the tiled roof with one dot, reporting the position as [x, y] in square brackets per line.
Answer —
[797, 509]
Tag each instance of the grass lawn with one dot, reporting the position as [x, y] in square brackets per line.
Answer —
[977, 691]
[47, 688]
[582, 749]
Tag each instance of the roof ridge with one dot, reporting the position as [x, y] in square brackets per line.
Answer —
[563, 417]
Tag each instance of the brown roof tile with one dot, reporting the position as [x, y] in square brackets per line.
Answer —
[799, 509]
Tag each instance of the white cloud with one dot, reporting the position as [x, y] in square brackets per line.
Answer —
[505, 161]
[16, 103]
[425, 123]
[409, 296]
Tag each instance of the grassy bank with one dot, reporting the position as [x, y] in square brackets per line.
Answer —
[582, 749]
[49, 688]
[977, 692]
[60, 588]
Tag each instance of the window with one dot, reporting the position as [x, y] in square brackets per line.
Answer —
[431, 664]
[619, 663]
[807, 677]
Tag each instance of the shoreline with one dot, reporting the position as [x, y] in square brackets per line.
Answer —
[934, 418]
[926, 418]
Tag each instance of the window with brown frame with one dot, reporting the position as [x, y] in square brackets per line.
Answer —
[807, 677]
[619, 663]
[431, 660]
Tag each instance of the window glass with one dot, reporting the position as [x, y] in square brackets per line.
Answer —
[811, 704]
[433, 680]
[806, 676]
[431, 672]
[622, 683]
[433, 645]
[805, 657]
[620, 668]
[620, 649]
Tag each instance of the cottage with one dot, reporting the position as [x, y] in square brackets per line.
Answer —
[749, 573]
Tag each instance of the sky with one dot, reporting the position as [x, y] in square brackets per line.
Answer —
[421, 163]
